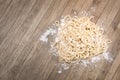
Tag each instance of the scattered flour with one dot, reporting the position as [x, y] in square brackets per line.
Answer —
[62, 22]
[85, 62]
[65, 66]
[45, 35]
[60, 71]
[95, 59]
[107, 56]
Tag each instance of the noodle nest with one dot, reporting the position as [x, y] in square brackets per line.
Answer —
[79, 38]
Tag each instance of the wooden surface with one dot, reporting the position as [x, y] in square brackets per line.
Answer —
[24, 57]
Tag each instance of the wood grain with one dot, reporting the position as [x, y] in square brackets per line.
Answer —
[24, 57]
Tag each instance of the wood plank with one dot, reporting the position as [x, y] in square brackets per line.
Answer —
[6, 50]
[113, 68]
[24, 57]
[117, 74]
[8, 19]
[4, 4]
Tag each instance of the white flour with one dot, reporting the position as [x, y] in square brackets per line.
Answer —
[45, 35]
[85, 62]
[107, 56]
[95, 59]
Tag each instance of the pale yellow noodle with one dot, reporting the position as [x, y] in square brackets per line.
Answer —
[79, 38]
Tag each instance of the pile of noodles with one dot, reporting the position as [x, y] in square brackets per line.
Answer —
[79, 38]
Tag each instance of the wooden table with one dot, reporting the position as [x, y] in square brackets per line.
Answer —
[24, 57]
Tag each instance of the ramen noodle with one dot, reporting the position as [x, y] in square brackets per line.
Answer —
[79, 38]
